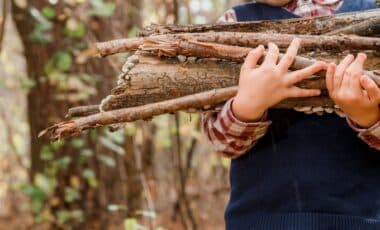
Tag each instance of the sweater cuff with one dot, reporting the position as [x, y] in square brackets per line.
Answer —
[370, 135]
[236, 125]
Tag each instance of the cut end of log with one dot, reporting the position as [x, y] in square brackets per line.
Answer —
[62, 130]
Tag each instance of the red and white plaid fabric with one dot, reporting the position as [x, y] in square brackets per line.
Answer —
[232, 137]
[302, 8]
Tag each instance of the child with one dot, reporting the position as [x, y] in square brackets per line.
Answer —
[291, 170]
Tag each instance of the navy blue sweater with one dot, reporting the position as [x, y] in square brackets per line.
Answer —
[308, 171]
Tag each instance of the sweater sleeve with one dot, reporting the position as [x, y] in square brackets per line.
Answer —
[371, 136]
[228, 16]
[230, 136]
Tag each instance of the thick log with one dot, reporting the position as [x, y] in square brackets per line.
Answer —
[166, 79]
[173, 48]
[316, 25]
[155, 79]
[196, 101]
[309, 42]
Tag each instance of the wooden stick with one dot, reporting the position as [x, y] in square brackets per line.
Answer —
[311, 25]
[82, 111]
[173, 48]
[368, 27]
[196, 101]
[309, 42]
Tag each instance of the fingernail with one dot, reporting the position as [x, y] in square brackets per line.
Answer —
[362, 55]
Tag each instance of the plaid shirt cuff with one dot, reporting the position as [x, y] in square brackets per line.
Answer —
[371, 135]
[230, 136]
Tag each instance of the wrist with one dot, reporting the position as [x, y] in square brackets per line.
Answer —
[368, 121]
[246, 111]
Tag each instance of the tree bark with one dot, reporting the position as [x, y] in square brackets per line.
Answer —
[315, 25]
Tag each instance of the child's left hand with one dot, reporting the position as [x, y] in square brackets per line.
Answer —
[356, 94]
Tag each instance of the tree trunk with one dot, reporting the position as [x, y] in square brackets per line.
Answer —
[44, 108]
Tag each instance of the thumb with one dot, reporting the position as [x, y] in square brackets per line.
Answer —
[371, 87]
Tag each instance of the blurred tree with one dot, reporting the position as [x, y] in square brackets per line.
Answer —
[79, 171]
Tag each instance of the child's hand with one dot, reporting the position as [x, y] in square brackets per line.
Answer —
[261, 88]
[356, 94]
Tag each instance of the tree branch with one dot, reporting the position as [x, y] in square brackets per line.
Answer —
[204, 100]
[312, 25]
[309, 42]
[368, 27]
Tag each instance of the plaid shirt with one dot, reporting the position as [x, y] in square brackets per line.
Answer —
[232, 137]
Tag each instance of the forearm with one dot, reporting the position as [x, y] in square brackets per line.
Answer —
[229, 136]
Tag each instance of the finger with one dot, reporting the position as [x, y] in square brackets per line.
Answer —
[357, 65]
[296, 92]
[253, 57]
[371, 87]
[300, 75]
[272, 55]
[355, 70]
[288, 59]
[330, 77]
[341, 69]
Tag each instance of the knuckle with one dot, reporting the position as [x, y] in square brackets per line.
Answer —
[348, 73]
[289, 58]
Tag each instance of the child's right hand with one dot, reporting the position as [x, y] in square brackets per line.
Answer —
[263, 87]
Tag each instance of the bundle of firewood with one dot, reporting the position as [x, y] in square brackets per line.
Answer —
[196, 67]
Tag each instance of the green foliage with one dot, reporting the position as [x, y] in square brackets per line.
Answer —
[26, 83]
[60, 62]
[109, 161]
[111, 142]
[132, 224]
[89, 175]
[86, 153]
[101, 8]
[63, 162]
[41, 31]
[46, 153]
[74, 28]
[77, 143]
[48, 12]
[64, 216]
[71, 194]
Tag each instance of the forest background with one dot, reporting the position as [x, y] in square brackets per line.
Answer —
[158, 174]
